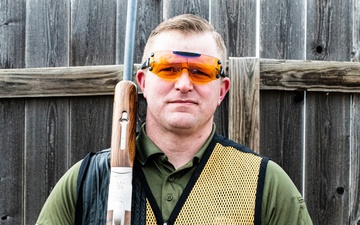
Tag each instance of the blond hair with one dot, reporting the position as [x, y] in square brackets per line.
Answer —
[186, 24]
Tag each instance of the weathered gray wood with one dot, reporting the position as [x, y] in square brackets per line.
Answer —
[12, 33]
[148, 17]
[12, 120]
[236, 22]
[355, 53]
[327, 157]
[329, 37]
[100, 80]
[244, 126]
[354, 188]
[329, 31]
[355, 154]
[281, 131]
[326, 76]
[282, 36]
[93, 33]
[47, 134]
[282, 29]
[60, 81]
[47, 33]
[90, 128]
[174, 7]
[232, 20]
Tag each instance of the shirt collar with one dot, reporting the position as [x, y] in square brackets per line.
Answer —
[145, 148]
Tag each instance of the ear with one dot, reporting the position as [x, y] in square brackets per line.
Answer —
[224, 88]
[140, 78]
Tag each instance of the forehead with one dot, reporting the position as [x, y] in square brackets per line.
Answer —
[173, 40]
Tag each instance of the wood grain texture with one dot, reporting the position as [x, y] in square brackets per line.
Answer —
[329, 30]
[282, 28]
[12, 161]
[328, 157]
[282, 36]
[47, 146]
[329, 37]
[60, 81]
[90, 125]
[281, 131]
[148, 17]
[123, 133]
[354, 188]
[47, 33]
[325, 76]
[12, 33]
[93, 33]
[236, 22]
[244, 96]
[355, 53]
[196, 7]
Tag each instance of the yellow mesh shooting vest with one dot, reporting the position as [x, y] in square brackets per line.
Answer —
[225, 192]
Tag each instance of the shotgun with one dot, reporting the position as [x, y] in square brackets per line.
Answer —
[123, 133]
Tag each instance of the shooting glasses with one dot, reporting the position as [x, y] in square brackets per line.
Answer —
[170, 64]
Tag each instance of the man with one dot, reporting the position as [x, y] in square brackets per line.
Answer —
[184, 172]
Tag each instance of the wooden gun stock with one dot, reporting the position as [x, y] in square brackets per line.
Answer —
[122, 154]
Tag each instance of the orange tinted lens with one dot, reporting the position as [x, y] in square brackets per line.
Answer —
[169, 65]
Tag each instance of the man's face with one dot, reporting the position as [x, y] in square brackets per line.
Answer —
[180, 105]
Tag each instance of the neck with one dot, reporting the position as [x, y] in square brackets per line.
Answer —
[179, 146]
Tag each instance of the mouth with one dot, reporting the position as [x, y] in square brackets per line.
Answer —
[183, 101]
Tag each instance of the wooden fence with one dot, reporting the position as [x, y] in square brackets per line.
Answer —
[308, 111]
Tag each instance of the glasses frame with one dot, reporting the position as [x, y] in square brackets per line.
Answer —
[149, 63]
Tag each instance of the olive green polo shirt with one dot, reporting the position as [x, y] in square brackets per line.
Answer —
[166, 182]
[282, 204]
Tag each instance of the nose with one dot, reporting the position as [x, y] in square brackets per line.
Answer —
[184, 83]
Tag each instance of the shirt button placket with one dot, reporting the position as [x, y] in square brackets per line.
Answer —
[169, 197]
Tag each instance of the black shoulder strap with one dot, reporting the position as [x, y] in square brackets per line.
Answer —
[260, 190]
[81, 176]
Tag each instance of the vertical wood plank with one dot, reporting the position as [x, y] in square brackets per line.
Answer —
[244, 111]
[93, 42]
[355, 53]
[236, 22]
[281, 119]
[148, 17]
[328, 144]
[355, 132]
[12, 121]
[327, 157]
[91, 119]
[196, 7]
[282, 36]
[47, 33]
[355, 162]
[47, 125]
[93, 32]
[46, 135]
[12, 55]
[329, 31]
[12, 33]
[282, 29]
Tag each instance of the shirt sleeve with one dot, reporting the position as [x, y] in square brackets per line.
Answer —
[282, 202]
[59, 208]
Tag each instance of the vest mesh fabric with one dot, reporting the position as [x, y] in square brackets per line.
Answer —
[225, 192]
[150, 217]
